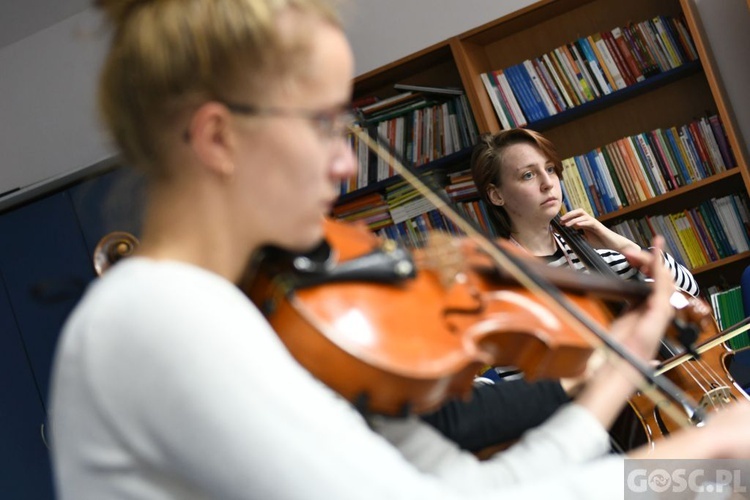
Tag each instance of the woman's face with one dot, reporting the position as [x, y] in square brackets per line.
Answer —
[294, 165]
[529, 187]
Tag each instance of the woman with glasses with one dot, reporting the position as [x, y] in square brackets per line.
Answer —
[169, 383]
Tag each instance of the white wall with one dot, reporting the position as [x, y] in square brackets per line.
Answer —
[382, 31]
[48, 125]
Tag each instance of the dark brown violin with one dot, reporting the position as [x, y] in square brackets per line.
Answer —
[705, 378]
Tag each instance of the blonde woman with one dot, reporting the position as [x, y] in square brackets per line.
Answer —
[169, 383]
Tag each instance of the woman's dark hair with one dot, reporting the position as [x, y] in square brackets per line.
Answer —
[487, 161]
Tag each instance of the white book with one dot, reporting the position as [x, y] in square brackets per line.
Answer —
[560, 86]
[494, 94]
[611, 64]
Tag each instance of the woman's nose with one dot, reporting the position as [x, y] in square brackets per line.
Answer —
[344, 163]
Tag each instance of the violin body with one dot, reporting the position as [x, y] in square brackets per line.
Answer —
[395, 340]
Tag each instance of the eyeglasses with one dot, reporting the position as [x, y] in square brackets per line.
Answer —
[329, 123]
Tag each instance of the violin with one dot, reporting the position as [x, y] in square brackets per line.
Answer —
[398, 332]
[701, 371]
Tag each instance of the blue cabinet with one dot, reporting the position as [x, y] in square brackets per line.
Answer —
[46, 267]
[46, 250]
[24, 462]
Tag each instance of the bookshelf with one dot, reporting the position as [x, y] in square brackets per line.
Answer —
[671, 98]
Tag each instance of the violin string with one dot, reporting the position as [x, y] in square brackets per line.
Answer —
[547, 293]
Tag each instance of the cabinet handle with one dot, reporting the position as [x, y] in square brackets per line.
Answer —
[43, 434]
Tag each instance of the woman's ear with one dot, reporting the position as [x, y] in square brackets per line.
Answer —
[212, 138]
[494, 196]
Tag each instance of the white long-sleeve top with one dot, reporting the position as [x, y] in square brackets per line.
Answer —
[169, 384]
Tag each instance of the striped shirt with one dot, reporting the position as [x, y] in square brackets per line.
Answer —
[683, 278]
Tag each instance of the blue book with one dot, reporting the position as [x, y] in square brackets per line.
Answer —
[606, 181]
[541, 107]
[599, 181]
[565, 196]
[523, 94]
[713, 217]
[675, 150]
[596, 66]
[692, 150]
[589, 186]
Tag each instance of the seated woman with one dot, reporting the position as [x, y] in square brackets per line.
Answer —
[517, 172]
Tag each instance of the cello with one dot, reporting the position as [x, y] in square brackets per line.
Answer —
[701, 370]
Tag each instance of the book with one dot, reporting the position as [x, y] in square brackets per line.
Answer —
[594, 65]
[558, 77]
[506, 92]
[585, 70]
[429, 89]
[633, 170]
[606, 162]
[521, 90]
[652, 149]
[640, 165]
[619, 59]
[577, 71]
[565, 77]
[627, 54]
[493, 92]
[603, 53]
[549, 85]
[538, 86]
[612, 153]
[561, 58]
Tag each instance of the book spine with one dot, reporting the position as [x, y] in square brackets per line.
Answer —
[561, 86]
[493, 93]
[538, 91]
[549, 84]
[627, 54]
[618, 58]
[571, 77]
[523, 94]
[510, 99]
[603, 53]
[594, 65]
[585, 69]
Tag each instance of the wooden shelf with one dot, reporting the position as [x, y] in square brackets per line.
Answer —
[717, 185]
[670, 99]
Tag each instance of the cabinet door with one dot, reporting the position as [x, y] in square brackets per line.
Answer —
[46, 268]
[109, 202]
[24, 462]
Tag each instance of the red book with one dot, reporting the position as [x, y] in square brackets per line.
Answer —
[627, 54]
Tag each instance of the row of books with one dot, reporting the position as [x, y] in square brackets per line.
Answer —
[637, 168]
[586, 69]
[418, 131]
[715, 229]
[728, 309]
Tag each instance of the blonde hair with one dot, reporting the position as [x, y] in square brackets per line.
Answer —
[487, 163]
[167, 56]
